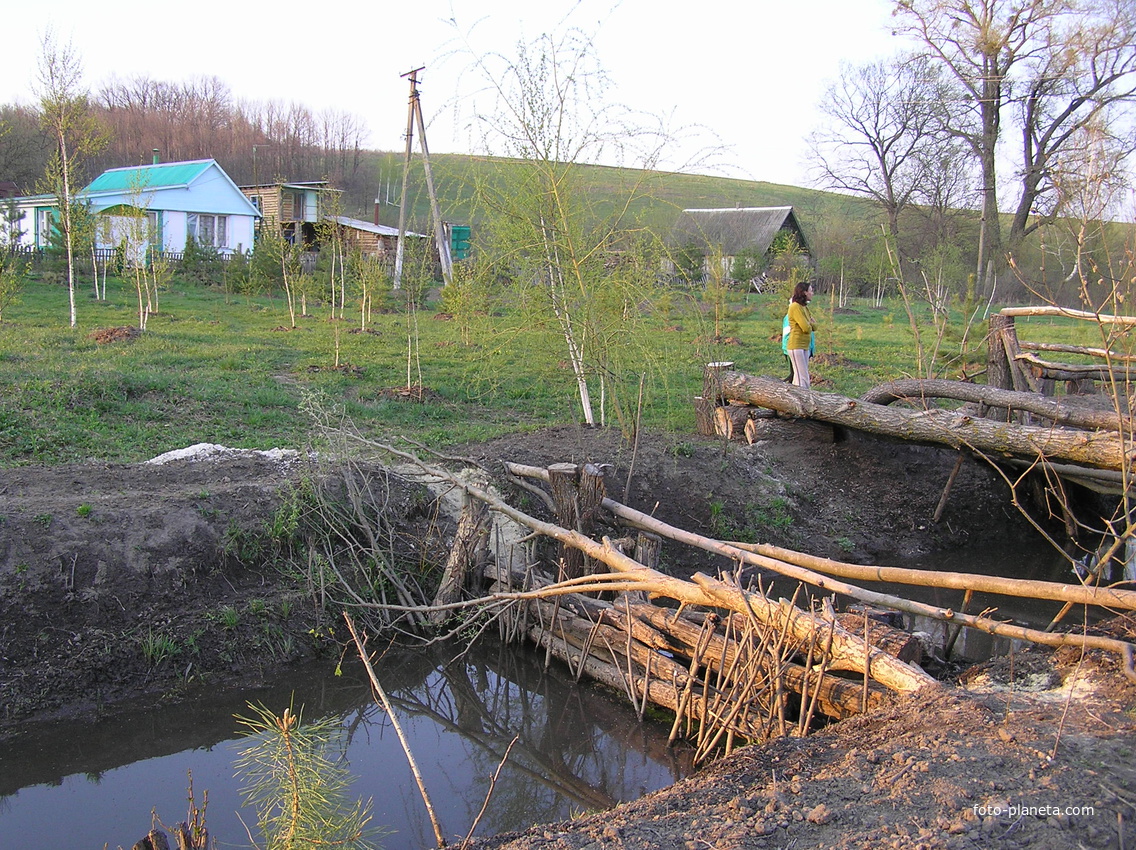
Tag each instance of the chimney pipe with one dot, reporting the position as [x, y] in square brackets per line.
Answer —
[157, 156]
[377, 211]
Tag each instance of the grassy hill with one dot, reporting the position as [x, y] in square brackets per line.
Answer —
[660, 195]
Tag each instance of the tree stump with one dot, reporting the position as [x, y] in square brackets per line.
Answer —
[466, 555]
[712, 381]
[563, 482]
[648, 548]
[155, 840]
[703, 416]
[998, 372]
[730, 421]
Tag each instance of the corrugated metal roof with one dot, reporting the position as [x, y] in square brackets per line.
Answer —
[381, 229]
[735, 229]
[147, 177]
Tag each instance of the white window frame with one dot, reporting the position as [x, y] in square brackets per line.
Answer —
[208, 229]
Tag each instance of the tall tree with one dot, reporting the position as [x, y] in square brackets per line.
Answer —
[66, 114]
[882, 132]
[1063, 63]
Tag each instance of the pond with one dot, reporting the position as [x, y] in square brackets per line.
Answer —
[579, 748]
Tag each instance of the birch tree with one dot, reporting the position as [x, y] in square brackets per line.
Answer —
[66, 116]
[548, 110]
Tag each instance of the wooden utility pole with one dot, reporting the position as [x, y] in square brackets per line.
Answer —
[414, 116]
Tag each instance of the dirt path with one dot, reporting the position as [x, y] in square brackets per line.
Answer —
[126, 582]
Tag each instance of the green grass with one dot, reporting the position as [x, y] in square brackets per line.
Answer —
[219, 368]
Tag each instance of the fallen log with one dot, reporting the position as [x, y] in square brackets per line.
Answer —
[848, 652]
[638, 519]
[654, 629]
[1073, 371]
[1078, 594]
[839, 698]
[1068, 312]
[1087, 351]
[1097, 449]
[919, 390]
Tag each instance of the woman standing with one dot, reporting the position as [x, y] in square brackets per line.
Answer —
[801, 329]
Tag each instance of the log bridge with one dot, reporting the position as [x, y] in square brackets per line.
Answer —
[1014, 420]
[730, 662]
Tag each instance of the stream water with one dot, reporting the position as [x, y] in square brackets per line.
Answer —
[578, 749]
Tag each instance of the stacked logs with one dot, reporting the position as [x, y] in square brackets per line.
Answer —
[737, 668]
[724, 676]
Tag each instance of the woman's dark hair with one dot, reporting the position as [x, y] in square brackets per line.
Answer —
[801, 292]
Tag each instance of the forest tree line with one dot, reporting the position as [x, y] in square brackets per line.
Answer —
[255, 142]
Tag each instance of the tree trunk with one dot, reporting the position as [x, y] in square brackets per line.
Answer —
[1099, 449]
[997, 363]
[562, 481]
[466, 555]
[919, 391]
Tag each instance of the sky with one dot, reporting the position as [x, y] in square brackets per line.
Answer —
[743, 79]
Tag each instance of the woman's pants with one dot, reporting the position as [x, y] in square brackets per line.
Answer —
[799, 357]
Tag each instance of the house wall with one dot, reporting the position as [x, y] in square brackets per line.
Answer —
[269, 202]
[22, 233]
[366, 242]
[173, 226]
[311, 205]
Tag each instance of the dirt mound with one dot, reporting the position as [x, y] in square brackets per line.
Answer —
[122, 580]
[105, 336]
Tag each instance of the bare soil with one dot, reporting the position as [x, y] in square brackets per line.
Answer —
[126, 582]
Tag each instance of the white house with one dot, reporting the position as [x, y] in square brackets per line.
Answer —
[162, 204]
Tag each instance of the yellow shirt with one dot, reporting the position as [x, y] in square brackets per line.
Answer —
[801, 326]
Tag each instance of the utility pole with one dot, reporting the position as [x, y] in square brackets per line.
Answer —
[414, 116]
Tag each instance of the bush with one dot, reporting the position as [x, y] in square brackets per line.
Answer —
[201, 264]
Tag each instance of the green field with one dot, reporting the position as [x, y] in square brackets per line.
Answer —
[216, 367]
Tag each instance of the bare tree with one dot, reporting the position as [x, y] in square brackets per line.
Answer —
[1064, 63]
[65, 113]
[882, 138]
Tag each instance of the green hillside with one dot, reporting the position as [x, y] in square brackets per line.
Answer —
[660, 195]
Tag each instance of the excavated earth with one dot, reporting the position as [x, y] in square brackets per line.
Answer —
[138, 582]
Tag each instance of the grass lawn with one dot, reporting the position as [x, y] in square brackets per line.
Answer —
[214, 367]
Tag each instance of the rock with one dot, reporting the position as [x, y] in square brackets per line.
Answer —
[819, 814]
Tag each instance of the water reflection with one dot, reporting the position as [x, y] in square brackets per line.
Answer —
[578, 748]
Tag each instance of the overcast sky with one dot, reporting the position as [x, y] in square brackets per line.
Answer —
[750, 73]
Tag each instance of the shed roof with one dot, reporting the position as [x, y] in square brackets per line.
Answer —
[381, 229]
[736, 229]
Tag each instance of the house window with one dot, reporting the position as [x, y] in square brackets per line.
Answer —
[154, 230]
[45, 222]
[298, 207]
[256, 202]
[212, 230]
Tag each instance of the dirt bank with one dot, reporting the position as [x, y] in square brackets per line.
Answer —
[126, 582]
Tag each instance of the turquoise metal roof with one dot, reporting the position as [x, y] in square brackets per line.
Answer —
[162, 175]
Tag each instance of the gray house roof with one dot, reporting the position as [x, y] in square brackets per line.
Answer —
[737, 229]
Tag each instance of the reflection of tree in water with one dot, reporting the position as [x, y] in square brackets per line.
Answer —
[570, 739]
